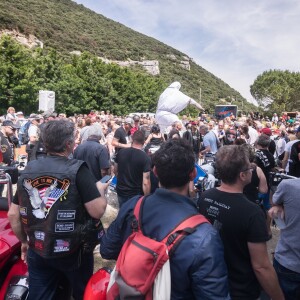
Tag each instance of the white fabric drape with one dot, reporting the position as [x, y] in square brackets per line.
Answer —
[170, 103]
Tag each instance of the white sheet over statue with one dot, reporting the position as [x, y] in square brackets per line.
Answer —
[170, 103]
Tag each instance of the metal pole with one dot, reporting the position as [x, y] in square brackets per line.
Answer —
[200, 95]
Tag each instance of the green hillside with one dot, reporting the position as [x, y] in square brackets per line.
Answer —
[66, 26]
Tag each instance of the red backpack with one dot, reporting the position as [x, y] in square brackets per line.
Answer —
[142, 270]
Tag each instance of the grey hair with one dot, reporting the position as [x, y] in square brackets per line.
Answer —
[204, 128]
[94, 131]
[176, 123]
[263, 140]
[56, 134]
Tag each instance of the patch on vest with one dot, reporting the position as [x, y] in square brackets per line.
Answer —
[39, 245]
[43, 192]
[23, 211]
[4, 148]
[64, 227]
[39, 235]
[61, 246]
[66, 214]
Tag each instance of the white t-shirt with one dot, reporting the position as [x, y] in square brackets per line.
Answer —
[253, 134]
[288, 148]
[210, 140]
[33, 131]
[280, 146]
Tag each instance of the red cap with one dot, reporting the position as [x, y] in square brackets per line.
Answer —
[266, 131]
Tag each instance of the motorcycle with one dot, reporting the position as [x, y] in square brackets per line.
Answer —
[97, 286]
[13, 270]
[206, 175]
[275, 178]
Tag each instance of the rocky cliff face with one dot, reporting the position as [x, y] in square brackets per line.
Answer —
[30, 41]
[151, 66]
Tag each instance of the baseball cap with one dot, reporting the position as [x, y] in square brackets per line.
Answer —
[34, 116]
[46, 115]
[129, 121]
[53, 115]
[19, 113]
[266, 131]
[9, 123]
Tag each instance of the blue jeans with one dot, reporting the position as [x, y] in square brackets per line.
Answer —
[266, 200]
[1, 189]
[46, 274]
[288, 280]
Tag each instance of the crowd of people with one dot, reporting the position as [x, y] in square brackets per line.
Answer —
[280, 129]
[226, 259]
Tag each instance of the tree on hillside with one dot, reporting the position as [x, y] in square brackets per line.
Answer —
[18, 82]
[84, 82]
[277, 90]
[81, 83]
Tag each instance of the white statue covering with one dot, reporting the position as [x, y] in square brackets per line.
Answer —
[170, 103]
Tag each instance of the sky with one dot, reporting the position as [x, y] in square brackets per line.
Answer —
[236, 40]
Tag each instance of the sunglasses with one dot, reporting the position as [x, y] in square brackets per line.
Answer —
[249, 169]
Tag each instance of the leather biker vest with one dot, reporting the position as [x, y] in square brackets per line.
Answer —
[52, 212]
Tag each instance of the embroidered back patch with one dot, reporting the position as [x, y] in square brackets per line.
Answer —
[43, 192]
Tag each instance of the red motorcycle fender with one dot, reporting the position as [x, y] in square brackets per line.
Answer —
[18, 269]
[97, 285]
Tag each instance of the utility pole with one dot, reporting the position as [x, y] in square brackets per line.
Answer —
[200, 94]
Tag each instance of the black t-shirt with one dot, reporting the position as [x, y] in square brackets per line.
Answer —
[95, 155]
[294, 165]
[272, 147]
[251, 189]
[196, 141]
[265, 160]
[121, 136]
[85, 183]
[239, 221]
[132, 163]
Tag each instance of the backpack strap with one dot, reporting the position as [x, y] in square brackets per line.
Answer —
[175, 236]
[185, 227]
[136, 224]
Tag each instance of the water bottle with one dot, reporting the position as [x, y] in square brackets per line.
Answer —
[280, 223]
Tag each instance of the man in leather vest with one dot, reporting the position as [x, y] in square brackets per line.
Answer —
[56, 198]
